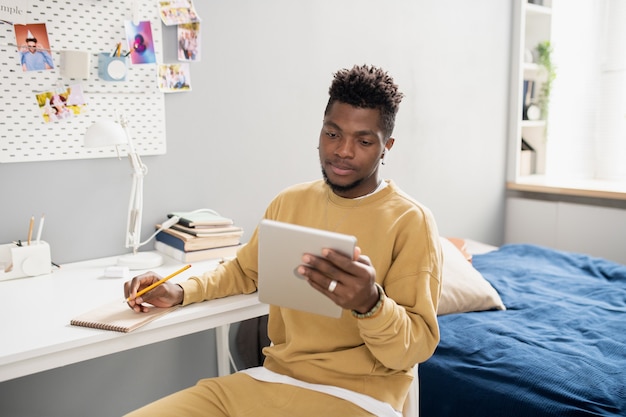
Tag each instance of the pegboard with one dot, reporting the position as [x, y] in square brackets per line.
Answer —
[92, 26]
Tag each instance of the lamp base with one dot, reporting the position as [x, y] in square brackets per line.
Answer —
[140, 260]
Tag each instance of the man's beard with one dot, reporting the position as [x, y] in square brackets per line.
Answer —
[338, 189]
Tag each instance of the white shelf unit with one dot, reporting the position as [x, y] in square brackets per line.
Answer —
[531, 25]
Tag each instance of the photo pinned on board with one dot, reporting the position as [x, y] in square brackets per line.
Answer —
[62, 103]
[174, 78]
[33, 47]
[189, 42]
[176, 12]
[140, 42]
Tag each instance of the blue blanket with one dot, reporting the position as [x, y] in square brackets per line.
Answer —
[558, 350]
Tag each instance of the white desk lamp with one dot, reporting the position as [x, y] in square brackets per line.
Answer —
[110, 133]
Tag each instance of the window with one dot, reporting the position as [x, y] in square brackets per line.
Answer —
[587, 117]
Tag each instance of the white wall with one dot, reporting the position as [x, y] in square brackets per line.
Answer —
[251, 123]
[575, 226]
[250, 127]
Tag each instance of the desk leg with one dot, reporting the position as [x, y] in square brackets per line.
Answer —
[223, 349]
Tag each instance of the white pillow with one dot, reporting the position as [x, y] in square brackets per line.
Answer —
[463, 288]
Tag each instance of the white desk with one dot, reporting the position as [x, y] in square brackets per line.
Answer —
[35, 314]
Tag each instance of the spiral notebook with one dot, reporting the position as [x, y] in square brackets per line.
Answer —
[118, 317]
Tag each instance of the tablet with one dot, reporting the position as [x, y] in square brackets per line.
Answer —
[281, 246]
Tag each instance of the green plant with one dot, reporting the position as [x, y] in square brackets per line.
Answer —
[544, 53]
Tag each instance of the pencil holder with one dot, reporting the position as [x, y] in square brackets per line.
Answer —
[24, 261]
[112, 68]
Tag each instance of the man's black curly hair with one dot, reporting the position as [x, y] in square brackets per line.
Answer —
[367, 87]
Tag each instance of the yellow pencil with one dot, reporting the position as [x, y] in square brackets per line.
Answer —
[159, 282]
[30, 229]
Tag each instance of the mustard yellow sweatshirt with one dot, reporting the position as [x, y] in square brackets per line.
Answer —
[373, 356]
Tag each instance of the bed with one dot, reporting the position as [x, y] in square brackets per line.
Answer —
[550, 339]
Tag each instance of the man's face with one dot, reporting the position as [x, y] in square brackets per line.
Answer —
[350, 146]
[32, 47]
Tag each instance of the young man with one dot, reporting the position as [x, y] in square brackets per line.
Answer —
[35, 59]
[360, 364]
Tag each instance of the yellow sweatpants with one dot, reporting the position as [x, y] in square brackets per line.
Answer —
[239, 395]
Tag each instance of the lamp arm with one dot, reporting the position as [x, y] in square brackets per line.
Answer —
[135, 160]
[135, 209]
[135, 205]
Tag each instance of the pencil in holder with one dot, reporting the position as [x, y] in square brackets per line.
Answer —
[24, 261]
[112, 68]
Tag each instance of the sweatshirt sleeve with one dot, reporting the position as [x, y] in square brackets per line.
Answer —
[237, 276]
[406, 330]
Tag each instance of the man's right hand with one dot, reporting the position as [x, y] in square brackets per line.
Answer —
[165, 295]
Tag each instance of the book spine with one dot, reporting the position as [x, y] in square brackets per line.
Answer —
[194, 256]
[185, 222]
[207, 231]
[193, 243]
[171, 240]
[170, 251]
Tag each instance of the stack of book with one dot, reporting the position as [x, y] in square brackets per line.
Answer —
[199, 235]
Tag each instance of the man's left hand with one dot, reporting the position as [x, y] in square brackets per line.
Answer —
[349, 282]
